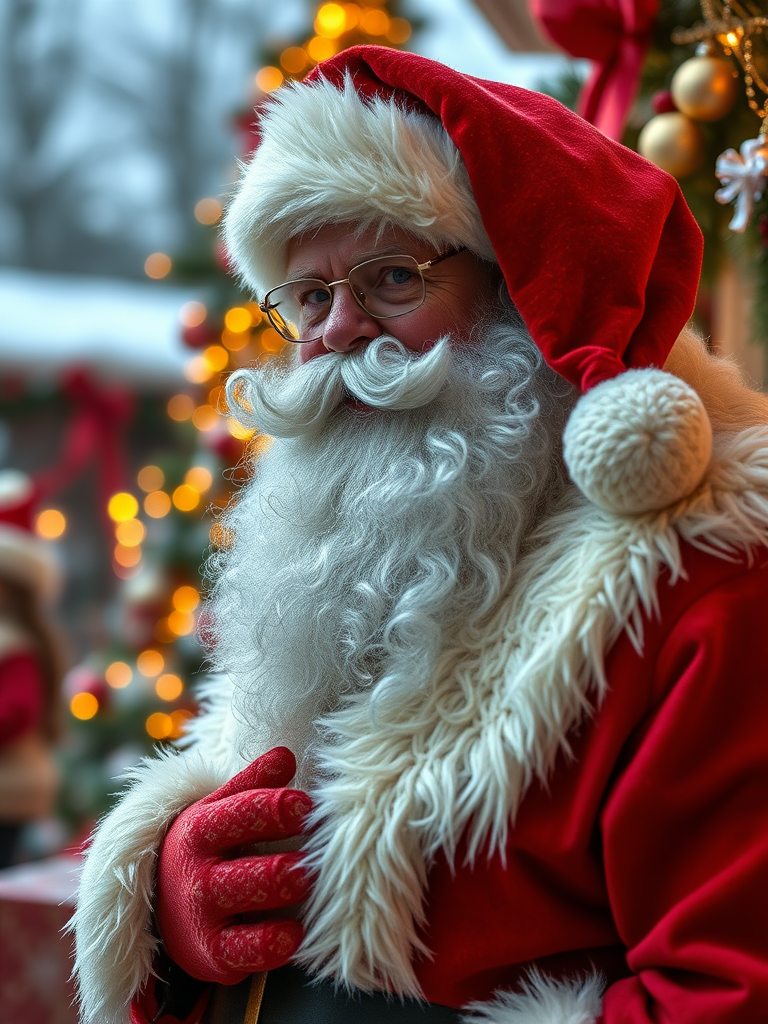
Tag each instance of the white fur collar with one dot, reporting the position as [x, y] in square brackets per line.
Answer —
[497, 716]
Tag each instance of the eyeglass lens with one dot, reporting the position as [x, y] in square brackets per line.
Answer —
[385, 287]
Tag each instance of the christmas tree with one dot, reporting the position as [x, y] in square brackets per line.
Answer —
[135, 690]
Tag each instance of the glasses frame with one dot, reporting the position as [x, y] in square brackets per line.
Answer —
[266, 308]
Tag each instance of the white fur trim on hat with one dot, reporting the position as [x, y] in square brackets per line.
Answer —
[327, 156]
[639, 442]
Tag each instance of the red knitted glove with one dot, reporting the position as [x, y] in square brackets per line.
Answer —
[204, 882]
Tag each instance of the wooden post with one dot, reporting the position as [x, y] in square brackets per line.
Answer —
[731, 328]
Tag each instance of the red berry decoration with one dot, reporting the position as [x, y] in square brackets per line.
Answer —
[662, 102]
[201, 335]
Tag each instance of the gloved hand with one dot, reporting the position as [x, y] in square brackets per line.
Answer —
[204, 884]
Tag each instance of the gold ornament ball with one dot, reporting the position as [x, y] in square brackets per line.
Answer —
[704, 88]
[674, 143]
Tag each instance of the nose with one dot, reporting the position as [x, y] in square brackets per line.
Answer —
[348, 325]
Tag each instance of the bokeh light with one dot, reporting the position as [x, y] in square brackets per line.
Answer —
[159, 726]
[157, 265]
[150, 662]
[186, 498]
[399, 31]
[331, 21]
[157, 504]
[169, 687]
[217, 357]
[84, 706]
[192, 314]
[234, 341]
[197, 370]
[180, 408]
[319, 48]
[294, 60]
[185, 599]
[118, 674]
[199, 477]
[205, 417]
[50, 524]
[269, 78]
[122, 506]
[208, 211]
[152, 478]
[181, 623]
[127, 556]
[374, 22]
[179, 719]
[130, 533]
[238, 319]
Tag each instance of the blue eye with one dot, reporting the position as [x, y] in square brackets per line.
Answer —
[401, 275]
[315, 297]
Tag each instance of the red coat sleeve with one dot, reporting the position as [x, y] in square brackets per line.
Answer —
[22, 698]
[685, 825]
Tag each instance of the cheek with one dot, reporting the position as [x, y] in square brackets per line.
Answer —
[311, 350]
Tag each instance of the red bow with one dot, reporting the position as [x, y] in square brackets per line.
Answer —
[614, 35]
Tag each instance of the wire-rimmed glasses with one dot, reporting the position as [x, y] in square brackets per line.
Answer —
[385, 287]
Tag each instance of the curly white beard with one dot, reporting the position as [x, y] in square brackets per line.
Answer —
[364, 539]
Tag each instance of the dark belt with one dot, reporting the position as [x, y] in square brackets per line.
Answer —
[291, 997]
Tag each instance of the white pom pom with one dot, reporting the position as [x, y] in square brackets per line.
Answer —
[638, 442]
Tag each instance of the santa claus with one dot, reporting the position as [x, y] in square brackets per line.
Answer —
[495, 595]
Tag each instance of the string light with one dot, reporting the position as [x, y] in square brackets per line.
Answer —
[50, 524]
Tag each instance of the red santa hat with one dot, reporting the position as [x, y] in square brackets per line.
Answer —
[598, 249]
[24, 558]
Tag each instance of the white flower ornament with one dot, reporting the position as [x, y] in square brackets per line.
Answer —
[744, 178]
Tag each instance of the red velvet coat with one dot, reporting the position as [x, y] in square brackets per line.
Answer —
[647, 858]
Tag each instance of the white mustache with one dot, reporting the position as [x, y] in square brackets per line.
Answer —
[291, 401]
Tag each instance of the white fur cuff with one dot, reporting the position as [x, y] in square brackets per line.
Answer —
[543, 1001]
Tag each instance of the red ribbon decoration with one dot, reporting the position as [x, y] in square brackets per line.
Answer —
[615, 36]
[95, 429]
